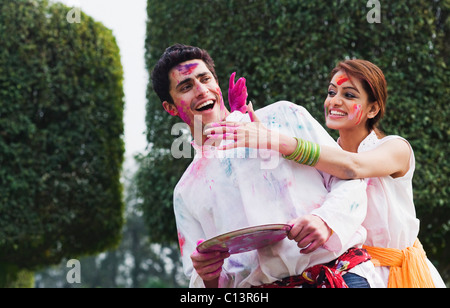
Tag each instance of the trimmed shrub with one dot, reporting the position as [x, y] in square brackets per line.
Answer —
[61, 126]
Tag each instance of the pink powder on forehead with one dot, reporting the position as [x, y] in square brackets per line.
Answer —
[187, 69]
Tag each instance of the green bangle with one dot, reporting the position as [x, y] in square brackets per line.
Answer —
[317, 156]
[306, 153]
[297, 150]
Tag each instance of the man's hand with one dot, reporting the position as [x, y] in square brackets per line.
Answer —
[209, 266]
[237, 94]
[310, 232]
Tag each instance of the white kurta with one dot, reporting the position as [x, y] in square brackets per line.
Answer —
[222, 191]
[391, 220]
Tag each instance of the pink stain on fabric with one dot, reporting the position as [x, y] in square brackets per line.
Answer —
[181, 241]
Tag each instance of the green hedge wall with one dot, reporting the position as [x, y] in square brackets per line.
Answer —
[61, 126]
[286, 50]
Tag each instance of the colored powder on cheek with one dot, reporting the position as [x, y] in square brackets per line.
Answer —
[360, 117]
[222, 104]
[357, 111]
[341, 79]
[183, 114]
[187, 69]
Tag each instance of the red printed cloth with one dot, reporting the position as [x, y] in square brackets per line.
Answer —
[324, 275]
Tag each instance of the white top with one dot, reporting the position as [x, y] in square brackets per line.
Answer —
[391, 220]
[222, 191]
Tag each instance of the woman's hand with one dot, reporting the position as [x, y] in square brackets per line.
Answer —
[245, 134]
[249, 135]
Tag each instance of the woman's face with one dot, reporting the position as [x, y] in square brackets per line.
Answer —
[347, 105]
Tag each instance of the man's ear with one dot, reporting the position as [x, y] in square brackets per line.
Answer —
[170, 108]
[374, 109]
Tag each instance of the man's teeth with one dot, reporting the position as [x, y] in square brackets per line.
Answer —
[337, 113]
[205, 104]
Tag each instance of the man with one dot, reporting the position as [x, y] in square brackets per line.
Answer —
[222, 192]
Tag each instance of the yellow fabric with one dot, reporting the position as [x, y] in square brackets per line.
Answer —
[408, 267]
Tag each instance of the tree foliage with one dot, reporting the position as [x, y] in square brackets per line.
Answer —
[61, 126]
[135, 263]
[286, 50]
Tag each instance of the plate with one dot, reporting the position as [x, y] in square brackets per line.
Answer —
[246, 239]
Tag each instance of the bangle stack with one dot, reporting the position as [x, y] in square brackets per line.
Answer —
[306, 153]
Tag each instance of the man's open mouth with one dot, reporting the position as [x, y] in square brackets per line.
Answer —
[206, 106]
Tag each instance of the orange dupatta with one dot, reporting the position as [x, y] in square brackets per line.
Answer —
[408, 267]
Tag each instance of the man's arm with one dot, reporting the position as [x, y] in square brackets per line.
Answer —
[343, 210]
[204, 269]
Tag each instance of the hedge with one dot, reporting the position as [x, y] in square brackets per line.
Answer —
[61, 127]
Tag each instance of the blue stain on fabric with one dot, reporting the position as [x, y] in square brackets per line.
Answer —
[228, 167]
[247, 153]
[354, 206]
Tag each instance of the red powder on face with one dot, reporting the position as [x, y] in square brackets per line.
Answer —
[357, 112]
[341, 79]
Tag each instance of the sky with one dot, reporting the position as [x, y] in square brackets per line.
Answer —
[127, 20]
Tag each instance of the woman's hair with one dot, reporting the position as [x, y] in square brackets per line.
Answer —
[373, 81]
[172, 57]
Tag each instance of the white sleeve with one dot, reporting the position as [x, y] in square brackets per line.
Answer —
[189, 233]
[344, 211]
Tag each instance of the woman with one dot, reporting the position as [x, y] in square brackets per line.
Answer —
[356, 102]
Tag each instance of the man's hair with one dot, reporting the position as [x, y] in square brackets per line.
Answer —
[173, 56]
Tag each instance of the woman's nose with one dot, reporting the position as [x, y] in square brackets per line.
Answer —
[335, 101]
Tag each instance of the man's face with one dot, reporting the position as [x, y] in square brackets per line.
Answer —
[196, 94]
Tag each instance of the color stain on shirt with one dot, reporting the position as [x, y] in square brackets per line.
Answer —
[228, 167]
[354, 206]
